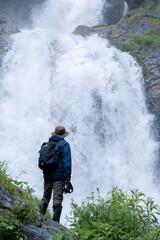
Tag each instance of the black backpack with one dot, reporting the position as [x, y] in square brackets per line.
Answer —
[49, 156]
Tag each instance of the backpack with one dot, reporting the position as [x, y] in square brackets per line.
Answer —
[49, 156]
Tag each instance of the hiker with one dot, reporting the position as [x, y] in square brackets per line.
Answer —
[58, 180]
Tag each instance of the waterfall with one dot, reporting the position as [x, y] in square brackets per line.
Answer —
[51, 77]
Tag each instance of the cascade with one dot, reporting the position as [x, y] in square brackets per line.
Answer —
[51, 77]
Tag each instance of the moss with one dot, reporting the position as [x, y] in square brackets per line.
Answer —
[101, 25]
[155, 22]
[138, 16]
[140, 58]
[158, 6]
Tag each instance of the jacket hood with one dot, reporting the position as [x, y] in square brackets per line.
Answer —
[55, 138]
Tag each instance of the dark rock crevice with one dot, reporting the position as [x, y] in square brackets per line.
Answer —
[134, 3]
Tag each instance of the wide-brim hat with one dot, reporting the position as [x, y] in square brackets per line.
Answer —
[60, 131]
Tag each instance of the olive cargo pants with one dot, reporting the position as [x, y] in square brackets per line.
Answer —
[57, 188]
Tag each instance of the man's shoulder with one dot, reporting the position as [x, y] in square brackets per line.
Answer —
[63, 143]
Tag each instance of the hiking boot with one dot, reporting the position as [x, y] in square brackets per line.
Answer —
[43, 207]
[57, 209]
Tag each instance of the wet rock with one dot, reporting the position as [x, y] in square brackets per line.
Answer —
[113, 11]
[134, 3]
[6, 199]
[45, 231]
[34, 233]
[40, 230]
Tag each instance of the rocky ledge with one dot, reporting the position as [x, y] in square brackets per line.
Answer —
[138, 33]
[41, 229]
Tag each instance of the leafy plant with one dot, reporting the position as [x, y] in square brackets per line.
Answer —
[6, 181]
[24, 210]
[10, 229]
[121, 216]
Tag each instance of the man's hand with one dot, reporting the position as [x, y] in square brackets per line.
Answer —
[68, 188]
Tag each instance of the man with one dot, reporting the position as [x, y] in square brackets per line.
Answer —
[59, 179]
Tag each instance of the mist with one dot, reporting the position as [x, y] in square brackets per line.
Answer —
[19, 12]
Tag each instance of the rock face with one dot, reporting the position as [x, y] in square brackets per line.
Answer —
[113, 11]
[150, 57]
[5, 30]
[40, 230]
[134, 3]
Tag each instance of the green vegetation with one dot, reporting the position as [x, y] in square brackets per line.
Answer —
[140, 42]
[146, 6]
[155, 22]
[158, 7]
[121, 216]
[150, 38]
[139, 15]
[24, 210]
[10, 229]
[101, 25]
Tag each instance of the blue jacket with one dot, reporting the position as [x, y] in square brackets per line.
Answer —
[63, 172]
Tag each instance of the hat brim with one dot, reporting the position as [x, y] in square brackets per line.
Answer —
[62, 136]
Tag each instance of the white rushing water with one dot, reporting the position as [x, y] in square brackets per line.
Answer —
[51, 77]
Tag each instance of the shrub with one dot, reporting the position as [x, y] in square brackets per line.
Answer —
[129, 46]
[6, 181]
[139, 42]
[121, 216]
[10, 229]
